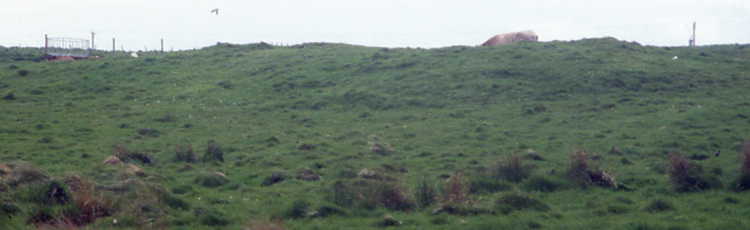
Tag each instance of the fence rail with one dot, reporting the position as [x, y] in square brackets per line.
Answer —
[74, 47]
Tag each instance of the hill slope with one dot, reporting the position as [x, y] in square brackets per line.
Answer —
[412, 114]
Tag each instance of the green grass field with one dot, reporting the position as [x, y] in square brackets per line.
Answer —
[336, 136]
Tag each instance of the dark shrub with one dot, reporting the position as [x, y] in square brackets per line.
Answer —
[392, 196]
[211, 179]
[23, 72]
[9, 96]
[56, 193]
[213, 152]
[511, 169]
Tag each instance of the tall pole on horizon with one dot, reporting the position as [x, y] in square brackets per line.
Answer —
[693, 33]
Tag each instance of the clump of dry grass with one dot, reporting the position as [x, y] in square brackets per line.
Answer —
[583, 176]
[455, 189]
[684, 175]
[125, 155]
[89, 204]
[370, 193]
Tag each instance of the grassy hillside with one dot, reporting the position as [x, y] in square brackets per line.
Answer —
[335, 136]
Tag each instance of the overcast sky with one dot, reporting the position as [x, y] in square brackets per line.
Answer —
[188, 24]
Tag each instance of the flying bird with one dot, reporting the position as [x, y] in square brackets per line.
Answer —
[215, 11]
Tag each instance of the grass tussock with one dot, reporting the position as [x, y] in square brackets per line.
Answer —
[425, 193]
[455, 189]
[89, 204]
[684, 175]
[213, 152]
[127, 156]
[583, 176]
[184, 153]
[370, 194]
[511, 169]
